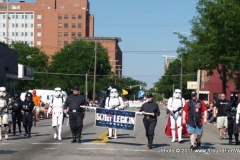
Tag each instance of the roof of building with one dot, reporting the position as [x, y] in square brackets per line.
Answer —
[99, 38]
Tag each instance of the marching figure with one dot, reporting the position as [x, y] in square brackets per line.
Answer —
[175, 106]
[76, 113]
[150, 121]
[16, 113]
[231, 111]
[56, 107]
[28, 106]
[114, 101]
[3, 112]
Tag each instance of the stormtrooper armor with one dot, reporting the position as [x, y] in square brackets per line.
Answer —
[238, 114]
[175, 106]
[56, 107]
[3, 113]
[114, 101]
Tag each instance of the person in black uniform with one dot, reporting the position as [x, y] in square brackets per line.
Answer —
[231, 110]
[150, 121]
[16, 112]
[28, 106]
[76, 113]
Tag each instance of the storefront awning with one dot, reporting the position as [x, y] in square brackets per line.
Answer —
[203, 92]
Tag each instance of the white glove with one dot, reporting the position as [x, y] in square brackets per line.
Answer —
[139, 113]
[237, 121]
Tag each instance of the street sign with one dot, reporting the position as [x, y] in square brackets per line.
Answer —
[191, 84]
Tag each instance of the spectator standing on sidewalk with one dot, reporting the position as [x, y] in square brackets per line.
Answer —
[222, 121]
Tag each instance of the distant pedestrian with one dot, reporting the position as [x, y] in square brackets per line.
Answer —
[218, 112]
[194, 120]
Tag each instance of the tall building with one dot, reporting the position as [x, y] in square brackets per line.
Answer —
[51, 24]
[47, 24]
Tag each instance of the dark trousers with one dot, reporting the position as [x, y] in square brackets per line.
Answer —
[76, 122]
[149, 125]
[16, 118]
[232, 127]
[27, 119]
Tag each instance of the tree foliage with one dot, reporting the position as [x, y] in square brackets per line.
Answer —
[171, 79]
[214, 43]
[78, 58]
[33, 57]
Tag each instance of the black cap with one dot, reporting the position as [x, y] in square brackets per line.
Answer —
[193, 93]
[75, 88]
[149, 95]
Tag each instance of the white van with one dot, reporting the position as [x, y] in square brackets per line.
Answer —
[45, 94]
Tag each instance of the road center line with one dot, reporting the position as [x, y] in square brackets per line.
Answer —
[100, 137]
[47, 143]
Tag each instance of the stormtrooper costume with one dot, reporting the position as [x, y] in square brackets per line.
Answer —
[238, 114]
[114, 101]
[175, 106]
[56, 107]
[3, 112]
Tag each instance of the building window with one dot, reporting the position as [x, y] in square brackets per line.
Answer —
[59, 43]
[79, 34]
[79, 16]
[73, 25]
[39, 34]
[65, 34]
[16, 25]
[65, 25]
[29, 25]
[2, 16]
[59, 25]
[28, 16]
[59, 16]
[73, 34]
[65, 16]
[39, 25]
[38, 43]
[74, 16]
[16, 16]
[79, 25]
[65, 43]
[39, 16]
[59, 34]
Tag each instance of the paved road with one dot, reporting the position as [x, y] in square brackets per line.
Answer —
[129, 145]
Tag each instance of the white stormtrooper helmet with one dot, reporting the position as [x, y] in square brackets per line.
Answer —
[177, 93]
[58, 92]
[3, 92]
[114, 93]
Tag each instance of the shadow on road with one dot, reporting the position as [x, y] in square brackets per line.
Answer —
[125, 143]
[88, 133]
[160, 145]
[7, 151]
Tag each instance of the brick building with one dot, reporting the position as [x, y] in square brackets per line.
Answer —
[8, 68]
[51, 24]
[212, 86]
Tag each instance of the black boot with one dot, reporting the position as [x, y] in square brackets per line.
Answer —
[14, 128]
[29, 132]
[236, 139]
[74, 139]
[230, 139]
[26, 131]
[150, 142]
[19, 128]
[79, 139]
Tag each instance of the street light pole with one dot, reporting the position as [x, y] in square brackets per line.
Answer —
[95, 68]
[7, 22]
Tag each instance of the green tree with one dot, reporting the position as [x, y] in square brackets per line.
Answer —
[214, 43]
[33, 57]
[171, 79]
[126, 82]
[74, 61]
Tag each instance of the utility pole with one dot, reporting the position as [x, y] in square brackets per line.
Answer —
[95, 69]
[7, 22]
[86, 86]
[181, 75]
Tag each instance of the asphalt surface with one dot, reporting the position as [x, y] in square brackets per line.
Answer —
[129, 144]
